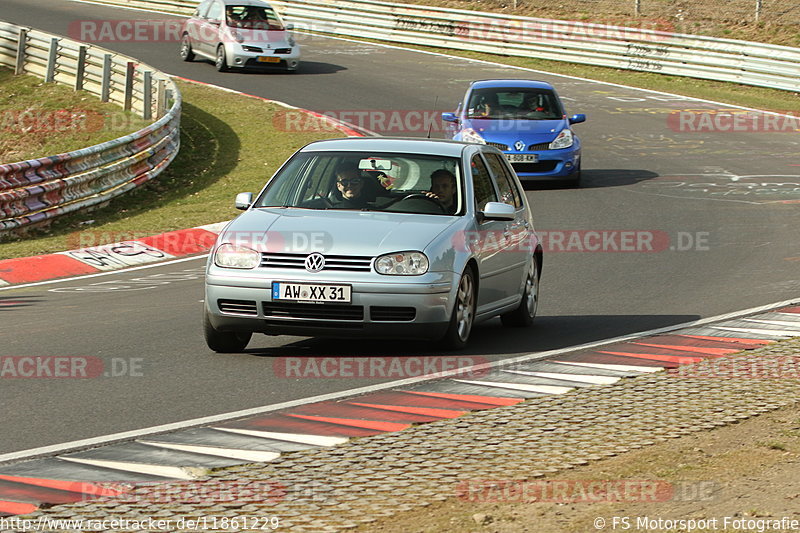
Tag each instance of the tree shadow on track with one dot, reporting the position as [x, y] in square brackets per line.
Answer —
[489, 339]
[596, 178]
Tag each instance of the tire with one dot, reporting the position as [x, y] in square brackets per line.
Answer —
[463, 316]
[186, 49]
[221, 62]
[523, 315]
[224, 341]
[575, 181]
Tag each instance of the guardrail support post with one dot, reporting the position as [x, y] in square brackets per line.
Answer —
[147, 95]
[80, 72]
[130, 72]
[22, 41]
[52, 59]
[637, 7]
[758, 10]
[161, 104]
[105, 83]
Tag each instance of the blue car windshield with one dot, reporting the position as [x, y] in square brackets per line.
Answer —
[514, 103]
[390, 182]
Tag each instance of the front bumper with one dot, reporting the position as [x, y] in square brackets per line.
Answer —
[239, 58]
[551, 164]
[378, 309]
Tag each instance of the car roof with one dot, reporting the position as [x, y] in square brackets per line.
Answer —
[409, 145]
[526, 84]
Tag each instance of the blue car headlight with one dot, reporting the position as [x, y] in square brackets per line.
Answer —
[564, 140]
[234, 256]
[471, 136]
[402, 264]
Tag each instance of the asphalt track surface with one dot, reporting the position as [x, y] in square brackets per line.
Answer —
[722, 240]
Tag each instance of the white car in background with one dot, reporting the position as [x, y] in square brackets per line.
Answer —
[239, 35]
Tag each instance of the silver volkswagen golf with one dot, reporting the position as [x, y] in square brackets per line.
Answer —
[376, 237]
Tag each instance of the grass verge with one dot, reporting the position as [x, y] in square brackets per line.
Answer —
[38, 119]
[228, 145]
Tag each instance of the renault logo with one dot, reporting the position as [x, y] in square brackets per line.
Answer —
[519, 145]
[315, 262]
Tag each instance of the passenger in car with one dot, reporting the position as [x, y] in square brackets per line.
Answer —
[443, 188]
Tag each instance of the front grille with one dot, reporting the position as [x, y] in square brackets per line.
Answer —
[252, 48]
[540, 146]
[340, 263]
[283, 50]
[541, 166]
[392, 314]
[238, 307]
[314, 311]
[500, 146]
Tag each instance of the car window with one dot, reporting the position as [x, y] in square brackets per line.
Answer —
[505, 181]
[518, 103]
[481, 183]
[253, 18]
[215, 12]
[365, 181]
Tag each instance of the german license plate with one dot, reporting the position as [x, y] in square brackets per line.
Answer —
[522, 158]
[308, 292]
[267, 59]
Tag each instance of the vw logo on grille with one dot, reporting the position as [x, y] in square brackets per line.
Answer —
[519, 145]
[315, 262]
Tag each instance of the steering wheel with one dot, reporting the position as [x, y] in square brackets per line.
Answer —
[436, 201]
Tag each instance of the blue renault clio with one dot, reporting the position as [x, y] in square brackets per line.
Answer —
[526, 120]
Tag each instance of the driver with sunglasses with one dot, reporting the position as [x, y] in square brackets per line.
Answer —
[350, 185]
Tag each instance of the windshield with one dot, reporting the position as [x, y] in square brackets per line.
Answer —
[252, 18]
[514, 103]
[400, 183]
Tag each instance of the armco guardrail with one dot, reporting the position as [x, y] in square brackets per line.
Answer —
[620, 47]
[35, 191]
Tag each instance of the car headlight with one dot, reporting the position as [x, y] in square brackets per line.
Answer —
[233, 256]
[291, 41]
[471, 136]
[564, 140]
[237, 36]
[402, 264]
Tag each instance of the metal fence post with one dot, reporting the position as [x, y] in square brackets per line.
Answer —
[52, 60]
[161, 104]
[147, 95]
[105, 84]
[22, 40]
[81, 70]
[637, 7]
[130, 72]
[758, 10]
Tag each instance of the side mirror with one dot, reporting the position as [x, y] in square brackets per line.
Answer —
[575, 119]
[214, 22]
[449, 117]
[498, 211]
[243, 200]
[290, 26]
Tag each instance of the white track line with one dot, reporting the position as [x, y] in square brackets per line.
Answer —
[578, 378]
[173, 472]
[255, 456]
[314, 440]
[606, 366]
[765, 332]
[542, 389]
